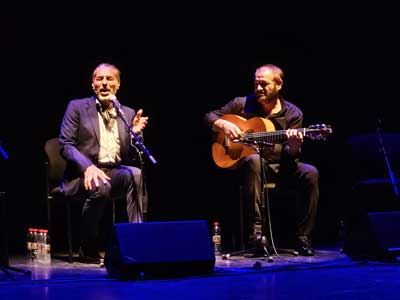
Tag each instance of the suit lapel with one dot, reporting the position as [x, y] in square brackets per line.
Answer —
[93, 117]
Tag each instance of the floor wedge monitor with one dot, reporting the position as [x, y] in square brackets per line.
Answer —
[374, 235]
[160, 248]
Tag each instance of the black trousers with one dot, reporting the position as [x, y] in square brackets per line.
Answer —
[125, 183]
[299, 176]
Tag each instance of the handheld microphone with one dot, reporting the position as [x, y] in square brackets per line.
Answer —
[117, 105]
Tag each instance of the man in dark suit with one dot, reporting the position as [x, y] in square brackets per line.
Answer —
[99, 152]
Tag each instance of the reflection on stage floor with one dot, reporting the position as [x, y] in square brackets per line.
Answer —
[330, 274]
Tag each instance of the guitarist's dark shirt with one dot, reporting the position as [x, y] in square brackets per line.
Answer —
[290, 116]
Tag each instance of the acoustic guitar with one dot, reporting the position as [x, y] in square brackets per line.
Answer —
[256, 131]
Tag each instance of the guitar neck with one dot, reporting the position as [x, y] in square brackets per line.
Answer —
[271, 137]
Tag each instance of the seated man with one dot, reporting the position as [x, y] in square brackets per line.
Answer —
[266, 102]
[97, 147]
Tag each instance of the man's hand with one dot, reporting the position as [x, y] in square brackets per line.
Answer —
[95, 174]
[230, 129]
[139, 122]
[295, 140]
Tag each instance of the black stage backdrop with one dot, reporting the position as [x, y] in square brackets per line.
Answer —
[177, 63]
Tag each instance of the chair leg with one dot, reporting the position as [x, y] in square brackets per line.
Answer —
[113, 212]
[49, 198]
[69, 232]
[49, 224]
[241, 219]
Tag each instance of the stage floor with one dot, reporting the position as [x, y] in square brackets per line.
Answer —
[329, 274]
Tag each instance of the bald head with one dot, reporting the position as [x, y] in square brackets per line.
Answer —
[276, 72]
[111, 67]
[268, 81]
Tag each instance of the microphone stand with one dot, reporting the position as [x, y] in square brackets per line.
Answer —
[391, 174]
[142, 149]
[134, 135]
[3, 152]
[142, 182]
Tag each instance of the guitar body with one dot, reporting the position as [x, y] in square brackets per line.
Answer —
[226, 153]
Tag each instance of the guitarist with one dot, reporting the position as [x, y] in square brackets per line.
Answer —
[282, 161]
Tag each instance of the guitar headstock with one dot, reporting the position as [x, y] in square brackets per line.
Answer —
[318, 131]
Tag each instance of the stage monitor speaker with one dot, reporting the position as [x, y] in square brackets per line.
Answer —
[160, 248]
[374, 235]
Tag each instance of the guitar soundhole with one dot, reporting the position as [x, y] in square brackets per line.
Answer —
[233, 150]
[226, 141]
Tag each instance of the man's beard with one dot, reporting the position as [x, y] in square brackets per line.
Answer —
[267, 98]
[104, 98]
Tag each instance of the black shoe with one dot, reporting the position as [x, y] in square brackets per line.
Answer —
[304, 247]
[89, 257]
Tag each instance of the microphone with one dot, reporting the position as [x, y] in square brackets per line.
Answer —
[117, 105]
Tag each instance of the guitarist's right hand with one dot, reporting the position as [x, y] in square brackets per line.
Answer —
[231, 130]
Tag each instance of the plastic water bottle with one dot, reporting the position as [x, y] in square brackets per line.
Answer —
[46, 247]
[35, 245]
[216, 238]
[39, 242]
[29, 241]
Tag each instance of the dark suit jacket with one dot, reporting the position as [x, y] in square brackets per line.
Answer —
[79, 140]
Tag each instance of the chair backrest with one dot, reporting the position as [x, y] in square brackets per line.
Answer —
[56, 163]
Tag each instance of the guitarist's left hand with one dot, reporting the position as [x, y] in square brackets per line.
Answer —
[294, 139]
